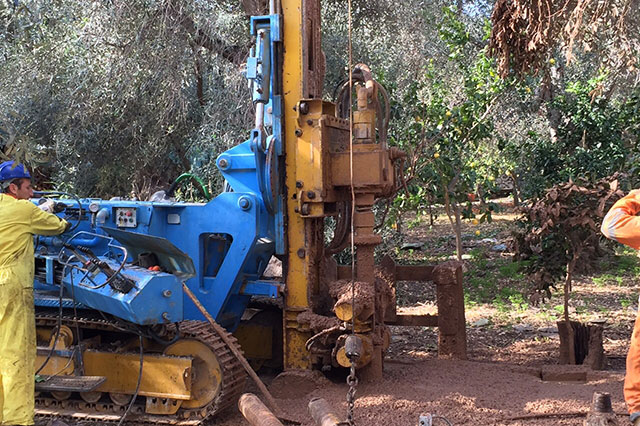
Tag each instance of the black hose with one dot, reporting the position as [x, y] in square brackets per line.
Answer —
[444, 419]
[135, 395]
[75, 197]
[55, 341]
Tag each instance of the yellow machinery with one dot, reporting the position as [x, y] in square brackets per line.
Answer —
[333, 162]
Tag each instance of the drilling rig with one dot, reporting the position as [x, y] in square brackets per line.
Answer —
[116, 332]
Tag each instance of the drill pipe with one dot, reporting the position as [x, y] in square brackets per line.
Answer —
[256, 413]
[322, 413]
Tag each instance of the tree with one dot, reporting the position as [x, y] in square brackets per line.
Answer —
[452, 123]
[119, 97]
[526, 33]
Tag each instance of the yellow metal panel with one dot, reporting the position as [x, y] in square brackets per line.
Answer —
[56, 365]
[162, 376]
[255, 340]
[297, 295]
[370, 169]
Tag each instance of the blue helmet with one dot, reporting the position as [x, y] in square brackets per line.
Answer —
[10, 170]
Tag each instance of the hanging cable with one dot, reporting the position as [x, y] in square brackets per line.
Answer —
[59, 326]
[352, 380]
[353, 192]
[135, 394]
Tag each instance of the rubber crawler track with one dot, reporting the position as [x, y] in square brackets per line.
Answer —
[233, 382]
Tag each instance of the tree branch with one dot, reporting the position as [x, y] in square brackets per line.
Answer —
[232, 53]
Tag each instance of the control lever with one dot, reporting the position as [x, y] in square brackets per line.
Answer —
[116, 281]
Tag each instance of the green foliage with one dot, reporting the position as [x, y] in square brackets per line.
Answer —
[103, 97]
[597, 135]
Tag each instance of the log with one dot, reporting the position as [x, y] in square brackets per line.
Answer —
[587, 344]
[363, 299]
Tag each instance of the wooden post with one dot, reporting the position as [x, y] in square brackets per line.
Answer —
[452, 332]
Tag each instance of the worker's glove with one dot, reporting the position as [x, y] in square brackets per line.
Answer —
[51, 206]
[59, 207]
[47, 205]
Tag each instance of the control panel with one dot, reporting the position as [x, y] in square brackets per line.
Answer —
[126, 217]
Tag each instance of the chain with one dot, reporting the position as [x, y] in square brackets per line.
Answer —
[352, 381]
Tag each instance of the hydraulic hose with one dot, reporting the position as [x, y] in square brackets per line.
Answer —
[174, 185]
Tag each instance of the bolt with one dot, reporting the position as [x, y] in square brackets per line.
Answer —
[299, 184]
[244, 203]
[295, 209]
[298, 132]
[309, 122]
[304, 108]
[311, 195]
[223, 163]
[301, 253]
[165, 316]
[166, 293]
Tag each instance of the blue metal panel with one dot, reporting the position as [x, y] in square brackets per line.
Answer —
[157, 297]
[49, 265]
[228, 240]
[262, 288]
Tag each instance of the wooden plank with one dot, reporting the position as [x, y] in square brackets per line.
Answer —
[414, 273]
[403, 272]
[408, 320]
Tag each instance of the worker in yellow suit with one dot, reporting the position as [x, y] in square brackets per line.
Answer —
[621, 224]
[20, 219]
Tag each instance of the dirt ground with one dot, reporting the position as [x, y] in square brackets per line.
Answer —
[464, 392]
[509, 342]
[498, 385]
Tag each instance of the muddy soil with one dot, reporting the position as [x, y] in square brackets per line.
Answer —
[509, 344]
[464, 392]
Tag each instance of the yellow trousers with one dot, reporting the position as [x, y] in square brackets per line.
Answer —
[17, 344]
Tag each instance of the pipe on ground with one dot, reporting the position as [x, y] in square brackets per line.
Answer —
[322, 413]
[256, 413]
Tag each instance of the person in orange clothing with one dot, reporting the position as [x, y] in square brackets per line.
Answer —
[622, 225]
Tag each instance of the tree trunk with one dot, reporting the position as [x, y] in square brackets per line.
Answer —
[453, 213]
[458, 231]
[431, 219]
[547, 95]
[570, 333]
[516, 190]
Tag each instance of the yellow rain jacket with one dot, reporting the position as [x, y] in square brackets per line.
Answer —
[19, 221]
